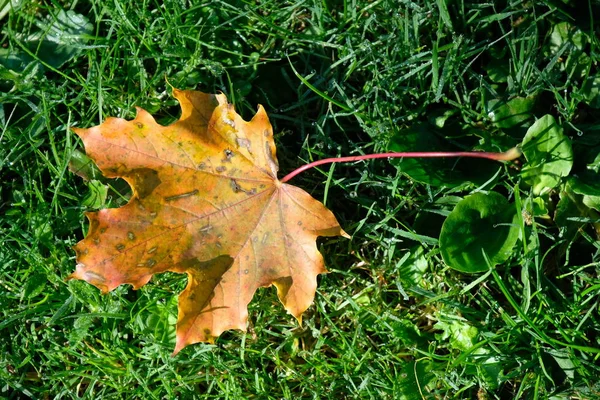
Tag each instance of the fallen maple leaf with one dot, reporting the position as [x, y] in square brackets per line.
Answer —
[206, 202]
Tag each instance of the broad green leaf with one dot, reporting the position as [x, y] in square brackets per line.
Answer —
[416, 375]
[60, 38]
[13, 62]
[479, 223]
[592, 202]
[463, 336]
[436, 172]
[571, 213]
[590, 90]
[82, 165]
[587, 183]
[406, 331]
[438, 118]
[412, 266]
[513, 114]
[460, 334]
[160, 319]
[581, 193]
[489, 367]
[549, 155]
[7, 6]
[563, 361]
[565, 33]
[34, 286]
[96, 197]
[595, 165]
[536, 207]
[81, 327]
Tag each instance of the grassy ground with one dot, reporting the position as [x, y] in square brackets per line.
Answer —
[391, 320]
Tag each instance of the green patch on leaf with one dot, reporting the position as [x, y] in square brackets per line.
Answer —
[479, 223]
[549, 155]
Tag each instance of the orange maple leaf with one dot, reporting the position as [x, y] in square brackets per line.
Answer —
[206, 202]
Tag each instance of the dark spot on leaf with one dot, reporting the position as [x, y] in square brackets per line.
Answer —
[130, 236]
[145, 181]
[234, 186]
[201, 165]
[272, 160]
[151, 262]
[120, 246]
[182, 195]
[139, 125]
[221, 168]
[245, 143]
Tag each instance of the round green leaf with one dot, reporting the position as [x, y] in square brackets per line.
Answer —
[479, 223]
[549, 155]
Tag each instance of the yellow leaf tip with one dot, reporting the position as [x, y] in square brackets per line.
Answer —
[78, 131]
[512, 154]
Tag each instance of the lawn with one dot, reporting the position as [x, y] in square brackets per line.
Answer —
[397, 317]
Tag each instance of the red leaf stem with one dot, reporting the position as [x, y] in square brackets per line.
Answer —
[509, 155]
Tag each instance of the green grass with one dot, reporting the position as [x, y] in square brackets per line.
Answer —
[391, 320]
